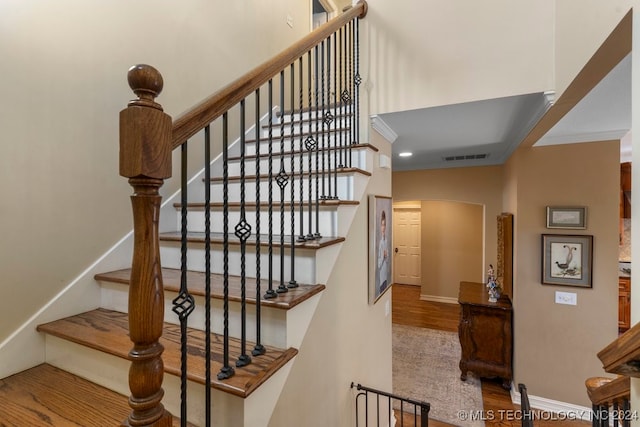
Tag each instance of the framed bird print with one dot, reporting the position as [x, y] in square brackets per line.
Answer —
[567, 260]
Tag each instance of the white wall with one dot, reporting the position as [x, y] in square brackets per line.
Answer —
[438, 52]
[63, 83]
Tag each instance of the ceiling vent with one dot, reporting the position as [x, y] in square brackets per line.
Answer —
[465, 157]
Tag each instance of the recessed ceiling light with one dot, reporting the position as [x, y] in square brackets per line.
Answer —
[405, 154]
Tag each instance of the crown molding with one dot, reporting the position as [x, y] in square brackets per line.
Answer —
[383, 128]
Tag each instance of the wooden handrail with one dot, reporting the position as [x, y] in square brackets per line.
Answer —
[622, 356]
[604, 391]
[195, 119]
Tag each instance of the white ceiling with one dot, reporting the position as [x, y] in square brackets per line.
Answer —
[495, 127]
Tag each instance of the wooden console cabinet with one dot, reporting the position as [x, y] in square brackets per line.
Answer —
[486, 334]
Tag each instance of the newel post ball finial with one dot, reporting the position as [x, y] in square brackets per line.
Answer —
[146, 82]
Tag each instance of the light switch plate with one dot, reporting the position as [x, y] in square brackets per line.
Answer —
[568, 298]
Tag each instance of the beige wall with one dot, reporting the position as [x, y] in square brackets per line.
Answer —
[556, 345]
[63, 83]
[348, 339]
[480, 186]
[452, 246]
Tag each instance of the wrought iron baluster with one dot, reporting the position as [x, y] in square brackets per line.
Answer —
[271, 293]
[207, 263]
[326, 166]
[243, 232]
[292, 203]
[258, 349]
[350, 85]
[316, 173]
[366, 408]
[311, 143]
[340, 91]
[328, 118]
[346, 97]
[301, 236]
[337, 154]
[357, 80]
[626, 410]
[184, 303]
[227, 370]
[325, 189]
[282, 179]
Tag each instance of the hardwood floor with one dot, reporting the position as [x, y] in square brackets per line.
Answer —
[499, 411]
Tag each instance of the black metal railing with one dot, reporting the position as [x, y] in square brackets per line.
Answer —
[610, 401]
[328, 71]
[527, 413]
[374, 407]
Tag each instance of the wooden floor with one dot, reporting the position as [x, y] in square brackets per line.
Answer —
[408, 309]
[45, 396]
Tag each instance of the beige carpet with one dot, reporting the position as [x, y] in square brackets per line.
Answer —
[425, 367]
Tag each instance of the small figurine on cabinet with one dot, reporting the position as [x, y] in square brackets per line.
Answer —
[492, 286]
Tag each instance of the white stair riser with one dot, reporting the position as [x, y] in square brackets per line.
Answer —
[273, 320]
[314, 114]
[313, 126]
[328, 220]
[304, 267]
[325, 186]
[359, 159]
[112, 373]
[333, 139]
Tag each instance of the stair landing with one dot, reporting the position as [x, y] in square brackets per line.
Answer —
[107, 331]
[47, 396]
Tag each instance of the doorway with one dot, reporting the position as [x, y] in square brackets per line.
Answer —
[321, 12]
[438, 244]
[407, 257]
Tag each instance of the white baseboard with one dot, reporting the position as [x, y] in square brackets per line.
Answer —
[436, 298]
[553, 409]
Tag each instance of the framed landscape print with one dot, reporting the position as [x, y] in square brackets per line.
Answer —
[567, 217]
[567, 260]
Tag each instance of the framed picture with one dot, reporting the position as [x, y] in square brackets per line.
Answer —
[567, 260]
[380, 242]
[567, 217]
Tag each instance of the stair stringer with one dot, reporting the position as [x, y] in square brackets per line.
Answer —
[25, 347]
[347, 340]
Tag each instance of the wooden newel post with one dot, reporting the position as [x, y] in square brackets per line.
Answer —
[145, 158]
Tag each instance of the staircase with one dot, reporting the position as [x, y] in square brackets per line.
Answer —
[256, 291]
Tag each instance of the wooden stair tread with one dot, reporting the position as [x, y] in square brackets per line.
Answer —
[107, 331]
[265, 205]
[340, 171]
[199, 237]
[196, 285]
[48, 396]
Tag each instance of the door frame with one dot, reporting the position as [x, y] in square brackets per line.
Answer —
[328, 5]
[413, 205]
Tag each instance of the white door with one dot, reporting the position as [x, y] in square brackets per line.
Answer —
[406, 246]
